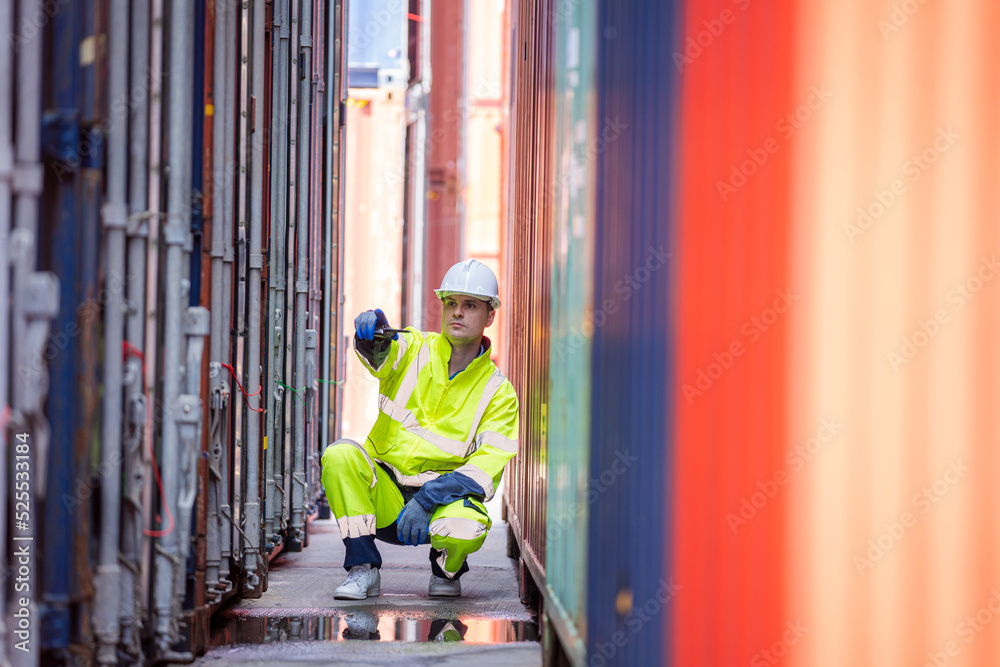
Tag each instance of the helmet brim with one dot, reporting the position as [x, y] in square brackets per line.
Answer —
[492, 300]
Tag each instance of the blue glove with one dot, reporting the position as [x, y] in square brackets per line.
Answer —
[366, 323]
[412, 524]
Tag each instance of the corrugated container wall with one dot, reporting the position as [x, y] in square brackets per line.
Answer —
[529, 229]
[731, 367]
[837, 389]
[628, 587]
[592, 336]
[573, 319]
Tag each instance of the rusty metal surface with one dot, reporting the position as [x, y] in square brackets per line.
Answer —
[529, 241]
[202, 608]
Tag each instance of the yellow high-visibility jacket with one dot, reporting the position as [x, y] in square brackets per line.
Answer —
[450, 437]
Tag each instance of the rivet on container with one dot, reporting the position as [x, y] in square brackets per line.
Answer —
[623, 602]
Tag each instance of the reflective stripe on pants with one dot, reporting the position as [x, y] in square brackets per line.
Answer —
[356, 487]
[456, 529]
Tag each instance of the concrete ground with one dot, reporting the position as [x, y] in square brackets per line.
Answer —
[297, 620]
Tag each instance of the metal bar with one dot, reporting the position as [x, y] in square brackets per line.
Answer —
[196, 171]
[35, 294]
[151, 316]
[27, 182]
[91, 78]
[6, 180]
[171, 552]
[228, 100]
[130, 604]
[277, 331]
[273, 330]
[309, 482]
[329, 173]
[239, 280]
[284, 483]
[66, 368]
[107, 591]
[340, 359]
[301, 278]
[316, 246]
[279, 272]
[197, 325]
[251, 505]
[215, 405]
[193, 573]
[218, 388]
[338, 325]
[203, 230]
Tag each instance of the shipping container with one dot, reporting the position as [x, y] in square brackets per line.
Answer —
[763, 262]
[150, 214]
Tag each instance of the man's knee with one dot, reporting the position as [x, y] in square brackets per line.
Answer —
[342, 452]
[466, 531]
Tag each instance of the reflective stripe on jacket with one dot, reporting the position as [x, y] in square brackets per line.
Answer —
[429, 426]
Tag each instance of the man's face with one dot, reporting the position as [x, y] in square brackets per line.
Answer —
[464, 318]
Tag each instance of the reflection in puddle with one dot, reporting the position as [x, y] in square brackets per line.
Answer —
[228, 629]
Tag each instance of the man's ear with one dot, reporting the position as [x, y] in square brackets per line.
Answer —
[489, 320]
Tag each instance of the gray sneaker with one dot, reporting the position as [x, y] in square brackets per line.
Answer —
[362, 581]
[360, 625]
[440, 587]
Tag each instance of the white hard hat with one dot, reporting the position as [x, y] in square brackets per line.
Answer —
[471, 278]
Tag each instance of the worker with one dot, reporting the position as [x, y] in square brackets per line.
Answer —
[447, 426]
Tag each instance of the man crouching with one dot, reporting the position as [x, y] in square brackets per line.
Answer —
[446, 428]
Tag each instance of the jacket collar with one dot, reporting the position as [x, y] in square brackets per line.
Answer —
[444, 352]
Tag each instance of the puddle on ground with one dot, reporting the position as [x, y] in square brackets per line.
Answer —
[233, 628]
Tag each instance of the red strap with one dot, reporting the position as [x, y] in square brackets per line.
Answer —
[237, 381]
